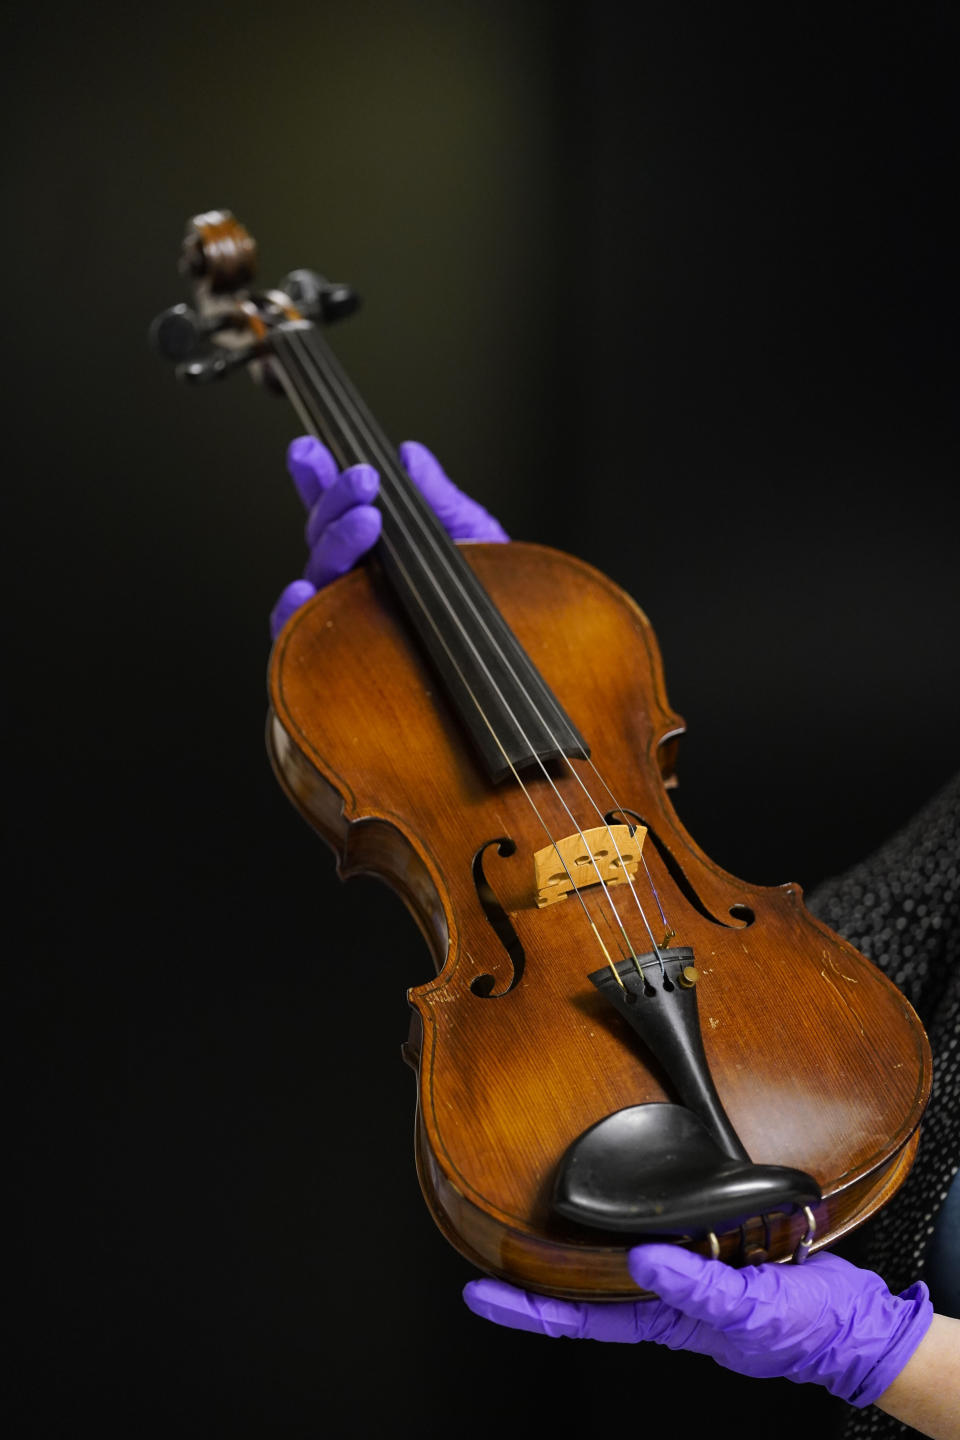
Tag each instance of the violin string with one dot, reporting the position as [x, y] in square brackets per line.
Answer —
[618, 808]
[368, 434]
[346, 397]
[367, 428]
[364, 421]
[310, 424]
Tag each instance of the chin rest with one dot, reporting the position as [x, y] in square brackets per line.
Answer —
[657, 1170]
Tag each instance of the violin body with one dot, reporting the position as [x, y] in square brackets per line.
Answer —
[819, 1062]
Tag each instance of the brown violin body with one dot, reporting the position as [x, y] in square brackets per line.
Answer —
[820, 1063]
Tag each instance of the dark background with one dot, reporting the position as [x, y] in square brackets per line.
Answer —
[676, 292]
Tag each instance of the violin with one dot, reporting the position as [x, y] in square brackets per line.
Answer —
[621, 1041]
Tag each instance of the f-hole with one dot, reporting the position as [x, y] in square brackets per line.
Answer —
[740, 913]
[483, 985]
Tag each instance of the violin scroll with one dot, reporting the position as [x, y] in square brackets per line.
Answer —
[218, 252]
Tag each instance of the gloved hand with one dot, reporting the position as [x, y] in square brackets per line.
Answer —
[343, 523]
[826, 1321]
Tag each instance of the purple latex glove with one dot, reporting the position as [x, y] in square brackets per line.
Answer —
[343, 523]
[826, 1321]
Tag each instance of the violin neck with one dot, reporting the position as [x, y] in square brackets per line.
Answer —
[510, 713]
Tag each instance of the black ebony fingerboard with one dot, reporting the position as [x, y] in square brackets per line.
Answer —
[502, 701]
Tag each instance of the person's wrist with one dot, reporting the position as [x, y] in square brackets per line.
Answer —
[915, 1316]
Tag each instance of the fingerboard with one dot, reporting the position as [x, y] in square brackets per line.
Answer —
[503, 703]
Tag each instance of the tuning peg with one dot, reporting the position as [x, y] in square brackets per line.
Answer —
[180, 332]
[319, 298]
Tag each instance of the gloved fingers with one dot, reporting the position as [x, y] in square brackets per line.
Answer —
[792, 1327]
[314, 472]
[312, 468]
[461, 517]
[774, 1300]
[342, 544]
[297, 593]
[707, 1290]
[356, 486]
[504, 1304]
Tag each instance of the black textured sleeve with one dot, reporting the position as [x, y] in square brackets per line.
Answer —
[901, 908]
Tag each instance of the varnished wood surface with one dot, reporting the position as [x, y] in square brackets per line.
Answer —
[819, 1061]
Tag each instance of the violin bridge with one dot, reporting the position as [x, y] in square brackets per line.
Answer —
[609, 853]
